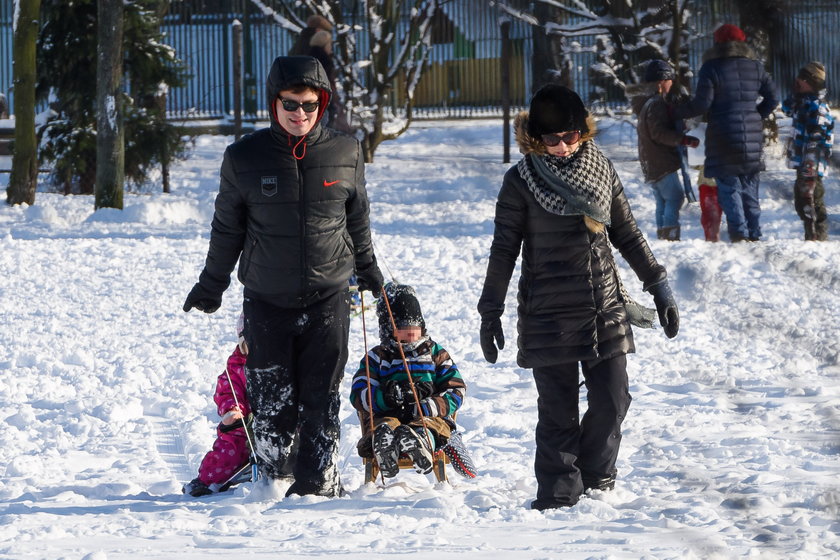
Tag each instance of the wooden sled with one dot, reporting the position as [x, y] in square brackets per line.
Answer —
[439, 462]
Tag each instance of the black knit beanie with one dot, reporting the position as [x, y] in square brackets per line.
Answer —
[658, 70]
[555, 108]
[404, 306]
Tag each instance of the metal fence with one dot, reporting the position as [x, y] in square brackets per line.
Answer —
[463, 78]
[464, 74]
[6, 13]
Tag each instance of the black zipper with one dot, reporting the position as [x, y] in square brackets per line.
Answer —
[302, 211]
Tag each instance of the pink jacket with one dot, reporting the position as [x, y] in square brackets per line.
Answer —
[224, 394]
[230, 450]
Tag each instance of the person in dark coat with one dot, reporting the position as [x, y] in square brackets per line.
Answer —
[563, 207]
[314, 23]
[293, 210]
[729, 85]
[320, 47]
[659, 137]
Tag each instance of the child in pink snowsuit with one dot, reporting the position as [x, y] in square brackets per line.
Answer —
[230, 450]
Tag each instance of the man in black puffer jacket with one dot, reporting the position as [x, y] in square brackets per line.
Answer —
[293, 210]
[729, 85]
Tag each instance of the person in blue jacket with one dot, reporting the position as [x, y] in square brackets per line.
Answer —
[736, 94]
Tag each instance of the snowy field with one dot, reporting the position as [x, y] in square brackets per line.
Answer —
[731, 448]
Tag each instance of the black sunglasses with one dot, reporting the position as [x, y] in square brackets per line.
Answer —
[292, 106]
[568, 138]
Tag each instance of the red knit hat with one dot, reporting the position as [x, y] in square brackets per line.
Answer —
[729, 32]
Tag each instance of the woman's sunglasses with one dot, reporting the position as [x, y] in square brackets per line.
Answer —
[567, 138]
[292, 106]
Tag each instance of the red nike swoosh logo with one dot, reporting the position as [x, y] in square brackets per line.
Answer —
[329, 183]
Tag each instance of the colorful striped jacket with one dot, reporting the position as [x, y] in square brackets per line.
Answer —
[435, 376]
[813, 130]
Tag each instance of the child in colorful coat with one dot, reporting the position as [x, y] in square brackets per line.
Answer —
[810, 147]
[230, 450]
[397, 420]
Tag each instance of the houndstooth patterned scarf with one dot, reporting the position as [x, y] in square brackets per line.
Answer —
[578, 184]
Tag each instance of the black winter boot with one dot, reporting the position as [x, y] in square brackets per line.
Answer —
[385, 450]
[416, 447]
[196, 488]
[598, 483]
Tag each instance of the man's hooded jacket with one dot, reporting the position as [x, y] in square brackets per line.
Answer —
[292, 209]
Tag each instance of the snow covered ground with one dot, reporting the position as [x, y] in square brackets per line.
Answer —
[731, 448]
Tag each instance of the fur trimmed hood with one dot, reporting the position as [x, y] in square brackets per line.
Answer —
[729, 49]
[530, 145]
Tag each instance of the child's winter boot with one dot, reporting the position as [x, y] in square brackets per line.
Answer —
[385, 450]
[415, 447]
[196, 488]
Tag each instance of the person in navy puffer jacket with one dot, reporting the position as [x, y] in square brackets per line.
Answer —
[729, 85]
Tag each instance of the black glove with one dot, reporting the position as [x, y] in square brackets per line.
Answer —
[666, 307]
[370, 280]
[202, 299]
[424, 389]
[491, 336]
[393, 394]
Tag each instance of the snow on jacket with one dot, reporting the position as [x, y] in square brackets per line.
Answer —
[568, 302]
[657, 132]
[729, 85]
[813, 130]
[436, 378]
[293, 210]
[230, 450]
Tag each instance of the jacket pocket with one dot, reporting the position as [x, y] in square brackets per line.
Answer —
[247, 258]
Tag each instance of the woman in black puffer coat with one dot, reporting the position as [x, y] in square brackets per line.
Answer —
[563, 206]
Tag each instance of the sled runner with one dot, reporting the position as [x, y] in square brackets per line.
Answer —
[196, 488]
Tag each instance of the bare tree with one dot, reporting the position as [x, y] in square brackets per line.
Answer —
[24, 177]
[110, 140]
[626, 33]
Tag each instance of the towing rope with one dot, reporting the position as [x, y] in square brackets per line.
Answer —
[367, 377]
[408, 373]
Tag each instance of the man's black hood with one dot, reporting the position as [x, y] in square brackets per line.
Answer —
[290, 71]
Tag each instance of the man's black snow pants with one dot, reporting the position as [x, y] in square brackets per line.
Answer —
[295, 363]
[573, 456]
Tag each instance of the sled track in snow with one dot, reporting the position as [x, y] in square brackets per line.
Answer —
[170, 446]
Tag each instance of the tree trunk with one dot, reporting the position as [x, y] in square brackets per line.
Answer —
[550, 62]
[676, 52]
[110, 140]
[24, 177]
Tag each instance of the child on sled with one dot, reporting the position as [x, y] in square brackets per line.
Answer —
[381, 386]
[230, 450]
